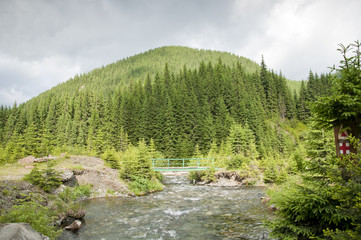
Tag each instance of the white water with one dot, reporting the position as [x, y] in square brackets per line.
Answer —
[181, 211]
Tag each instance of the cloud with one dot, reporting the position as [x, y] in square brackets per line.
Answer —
[22, 80]
[47, 42]
[302, 35]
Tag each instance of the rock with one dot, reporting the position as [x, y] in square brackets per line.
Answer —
[43, 159]
[66, 175]
[72, 182]
[273, 207]
[29, 167]
[27, 160]
[74, 226]
[76, 214]
[229, 175]
[66, 221]
[78, 171]
[71, 216]
[15, 231]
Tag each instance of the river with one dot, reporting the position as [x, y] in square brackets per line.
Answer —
[181, 211]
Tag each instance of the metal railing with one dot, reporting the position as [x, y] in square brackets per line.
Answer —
[182, 164]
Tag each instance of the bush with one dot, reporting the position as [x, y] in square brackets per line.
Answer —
[235, 162]
[136, 162]
[195, 176]
[72, 194]
[275, 170]
[29, 210]
[141, 186]
[47, 179]
[158, 175]
[250, 173]
[109, 156]
[206, 176]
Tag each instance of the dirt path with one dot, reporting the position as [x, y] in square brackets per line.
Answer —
[104, 180]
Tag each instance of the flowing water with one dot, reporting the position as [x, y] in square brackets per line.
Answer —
[181, 211]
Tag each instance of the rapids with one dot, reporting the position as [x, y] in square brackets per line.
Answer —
[181, 211]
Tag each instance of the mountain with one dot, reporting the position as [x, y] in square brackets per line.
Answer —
[137, 67]
[183, 100]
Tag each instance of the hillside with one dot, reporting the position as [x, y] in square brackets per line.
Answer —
[294, 86]
[183, 101]
[137, 67]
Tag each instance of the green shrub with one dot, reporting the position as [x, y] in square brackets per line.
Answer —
[47, 179]
[5, 192]
[195, 176]
[72, 194]
[275, 170]
[235, 162]
[250, 173]
[141, 186]
[29, 210]
[136, 162]
[206, 176]
[158, 175]
[109, 156]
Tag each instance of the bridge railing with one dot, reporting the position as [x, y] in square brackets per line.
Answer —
[185, 163]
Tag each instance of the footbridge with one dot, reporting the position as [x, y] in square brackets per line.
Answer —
[182, 164]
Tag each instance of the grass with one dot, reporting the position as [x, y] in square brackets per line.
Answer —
[13, 171]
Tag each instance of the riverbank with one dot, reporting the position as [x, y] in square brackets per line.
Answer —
[82, 178]
[92, 171]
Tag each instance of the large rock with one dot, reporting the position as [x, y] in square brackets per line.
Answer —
[66, 175]
[19, 231]
[74, 226]
[232, 175]
[27, 160]
[68, 178]
[79, 214]
[72, 182]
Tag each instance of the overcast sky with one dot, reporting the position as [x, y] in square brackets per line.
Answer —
[43, 43]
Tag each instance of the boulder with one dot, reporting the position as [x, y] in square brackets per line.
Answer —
[76, 214]
[70, 216]
[27, 160]
[74, 226]
[78, 171]
[72, 182]
[232, 175]
[66, 175]
[22, 231]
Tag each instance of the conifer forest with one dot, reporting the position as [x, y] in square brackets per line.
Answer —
[182, 99]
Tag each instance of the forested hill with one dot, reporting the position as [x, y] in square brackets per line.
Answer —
[137, 67]
[184, 101]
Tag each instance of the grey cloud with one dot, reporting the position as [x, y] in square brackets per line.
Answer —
[62, 38]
